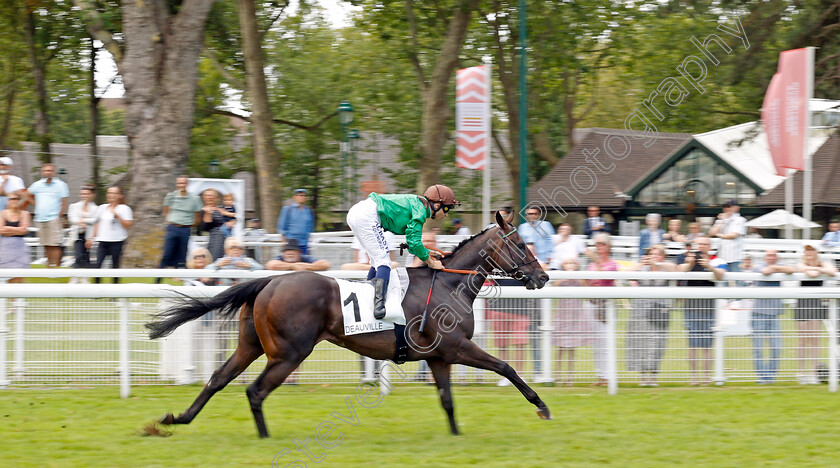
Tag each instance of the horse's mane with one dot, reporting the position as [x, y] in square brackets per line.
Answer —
[469, 239]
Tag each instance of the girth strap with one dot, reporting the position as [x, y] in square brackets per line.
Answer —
[401, 352]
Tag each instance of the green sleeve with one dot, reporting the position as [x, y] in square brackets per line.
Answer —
[414, 239]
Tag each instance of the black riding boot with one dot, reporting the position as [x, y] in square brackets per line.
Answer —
[379, 290]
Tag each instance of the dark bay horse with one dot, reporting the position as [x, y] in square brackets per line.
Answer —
[285, 316]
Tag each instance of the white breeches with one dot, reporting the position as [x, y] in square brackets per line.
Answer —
[363, 220]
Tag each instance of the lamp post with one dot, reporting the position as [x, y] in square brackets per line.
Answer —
[345, 118]
[353, 136]
[214, 167]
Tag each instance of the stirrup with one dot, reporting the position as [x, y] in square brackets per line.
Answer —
[378, 298]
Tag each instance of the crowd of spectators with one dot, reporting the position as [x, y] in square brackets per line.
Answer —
[577, 323]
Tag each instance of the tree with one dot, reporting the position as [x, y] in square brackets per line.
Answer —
[158, 64]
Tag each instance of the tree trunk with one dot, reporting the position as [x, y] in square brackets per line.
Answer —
[96, 164]
[436, 108]
[266, 156]
[42, 122]
[508, 77]
[160, 73]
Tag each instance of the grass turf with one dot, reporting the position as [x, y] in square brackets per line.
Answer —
[767, 426]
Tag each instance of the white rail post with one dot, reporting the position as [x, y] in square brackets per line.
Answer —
[18, 307]
[369, 364]
[612, 373]
[4, 335]
[833, 354]
[719, 377]
[545, 340]
[125, 366]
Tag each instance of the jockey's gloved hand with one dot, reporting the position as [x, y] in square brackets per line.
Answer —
[434, 263]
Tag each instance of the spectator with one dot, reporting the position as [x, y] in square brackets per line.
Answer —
[809, 313]
[539, 232]
[182, 211]
[730, 228]
[831, 237]
[652, 235]
[254, 229]
[50, 198]
[573, 324]
[362, 261]
[673, 234]
[81, 216]
[198, 259]
[595, 224]
[297, 221]
[233, 259]
[765, 320]
[600, 261]
[113, 219]
[693, 232]
[459, 228]
[429, 239]
[211, 222]
[752, 233]
[293, 259]
[700, 312]
[9, 183]
[228, 211]
[253, 232]
[14, 224]
[566, 246]
[649, 321]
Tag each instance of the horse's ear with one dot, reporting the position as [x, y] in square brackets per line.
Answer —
[500, 221]
[509, 218]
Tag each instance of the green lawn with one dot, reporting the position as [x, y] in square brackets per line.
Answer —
[743, 427]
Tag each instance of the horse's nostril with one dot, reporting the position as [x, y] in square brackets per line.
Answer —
[544, 278]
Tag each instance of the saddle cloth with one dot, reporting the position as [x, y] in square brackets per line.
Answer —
[357, 304]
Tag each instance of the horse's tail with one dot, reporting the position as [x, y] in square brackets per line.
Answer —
[227, 302]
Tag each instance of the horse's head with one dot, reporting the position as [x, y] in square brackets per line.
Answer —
[511, 255]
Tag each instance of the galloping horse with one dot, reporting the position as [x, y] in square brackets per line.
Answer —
[286, 316]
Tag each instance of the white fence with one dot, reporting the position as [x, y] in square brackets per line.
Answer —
[80, 335]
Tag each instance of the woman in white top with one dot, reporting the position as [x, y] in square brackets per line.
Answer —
[82, 216]
[113, 219]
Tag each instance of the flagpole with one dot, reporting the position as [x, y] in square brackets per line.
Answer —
[485, 183]
[789, 202]
[806, 195]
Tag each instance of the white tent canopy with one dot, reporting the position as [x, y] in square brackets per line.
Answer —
[779, 219]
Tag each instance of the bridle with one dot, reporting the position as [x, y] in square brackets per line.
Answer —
[519, 266]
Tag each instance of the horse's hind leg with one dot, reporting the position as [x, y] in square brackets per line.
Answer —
[471, 355]
[441, 372]
[272, 377]
[247, 350]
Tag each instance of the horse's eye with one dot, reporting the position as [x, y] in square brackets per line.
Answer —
[521, 245]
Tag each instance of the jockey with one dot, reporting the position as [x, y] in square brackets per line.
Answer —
[400, 214]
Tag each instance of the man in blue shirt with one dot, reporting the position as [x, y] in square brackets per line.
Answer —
[765, 320]
[538, 232]
[832, 237]
[297, 221]
[50, 198]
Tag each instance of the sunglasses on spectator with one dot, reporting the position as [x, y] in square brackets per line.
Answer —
[533, 213]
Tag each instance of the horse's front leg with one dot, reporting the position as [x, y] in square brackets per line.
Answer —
[471, 355]
[441, 372]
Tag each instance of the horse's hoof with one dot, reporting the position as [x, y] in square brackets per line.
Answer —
[544, 413]
[167, 418]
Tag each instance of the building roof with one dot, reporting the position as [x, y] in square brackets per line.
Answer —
[745, 148]
[825, 191]
[609, 187]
